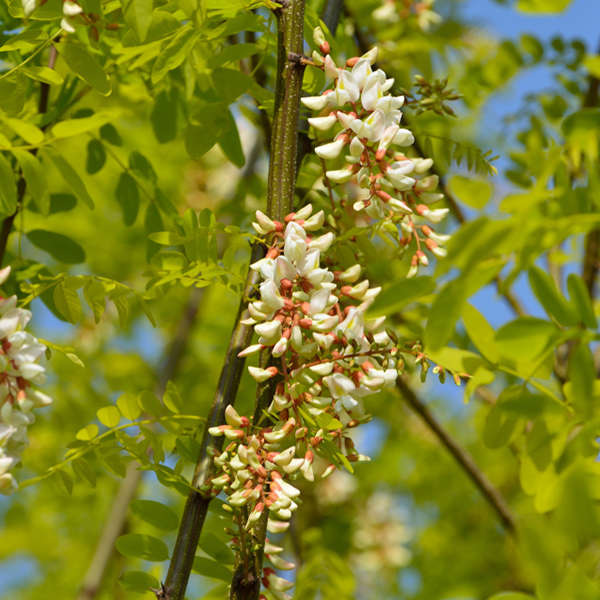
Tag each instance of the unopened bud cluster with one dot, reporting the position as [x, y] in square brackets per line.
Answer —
[20, 354]
[366, 120]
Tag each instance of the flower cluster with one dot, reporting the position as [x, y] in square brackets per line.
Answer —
[327, 358]
[20, 353]
[394, 186]
[390, 12]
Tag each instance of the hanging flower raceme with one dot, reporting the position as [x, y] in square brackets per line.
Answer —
[20, 354]
[327, 358]
[366, 121]
[73, 16]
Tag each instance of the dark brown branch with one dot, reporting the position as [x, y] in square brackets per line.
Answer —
[245, 584]
[463, 457]
[591, 259]
[21, 186]
[197, 503]
[115, 525]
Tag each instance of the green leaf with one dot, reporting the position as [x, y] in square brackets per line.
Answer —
[473, 192]
[30, 133]
[35, 179]
[146, 309]
[231, 144]
[129, 407]
[128, 196]
[210, 568]
[13, 90]
[146, 547]
[216, 548]
[233, 53]
[155, 513]
[501, 428]
[84, 470]
[580, 124]
[580, 298]
[67, 303]
[511, 596]
[137, 15]
[152, 224]
[58, 203]
[231, 84]
[25, 40]
[43, 74]
[65, 481]
[481, 333]
[149, 403]
[70, 176]
[138, 582]
[62, 248]
[8, 188]
[175, 53]
[526, 337]
[71, 127]
[110, 135]
[205, 128]
[582, 374]
[142, 166]
[399, 294]
[365, 245]
[542, 6]
[173, 401]
[122, 309]
[87, 433]
[444, 313]
[109, 416]
[164, 116]
[85, 66]
[550, 298]
[96, 157]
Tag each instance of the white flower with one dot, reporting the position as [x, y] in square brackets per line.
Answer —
[435, 216]
[4, 273]
[324, 242]
[371, 92]
[29, 6]
[331, 150]
[331, 69]
[439, 239]
[315, 102]
[403, 138]
[347, 89]
[66, 25]
[323, 123]
[339, 385]
[71, 9]
[341, 176]
[361, 72]
[261, 374]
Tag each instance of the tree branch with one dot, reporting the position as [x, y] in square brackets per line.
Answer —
[115, 525]
[197, 503]
[245, 584]
[463, 457]
[42, 108]
[591, 259]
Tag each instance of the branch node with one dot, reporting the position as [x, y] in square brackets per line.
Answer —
[164, 593]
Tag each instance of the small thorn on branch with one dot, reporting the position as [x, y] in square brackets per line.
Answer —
[164, 593]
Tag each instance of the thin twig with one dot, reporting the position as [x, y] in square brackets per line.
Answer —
[463, 457]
